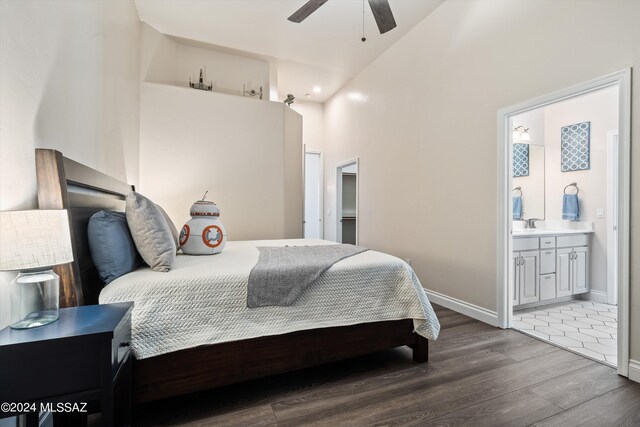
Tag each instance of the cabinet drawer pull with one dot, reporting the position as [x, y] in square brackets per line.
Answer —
[548, 253]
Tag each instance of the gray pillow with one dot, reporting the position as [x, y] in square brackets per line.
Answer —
[172, 227]
[112, 249]
[150, 232]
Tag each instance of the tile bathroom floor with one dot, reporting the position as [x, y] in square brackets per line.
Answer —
[584, 327]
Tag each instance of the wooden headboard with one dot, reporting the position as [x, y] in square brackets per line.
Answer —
[66, 184]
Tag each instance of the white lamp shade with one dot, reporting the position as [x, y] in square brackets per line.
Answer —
[34, 239]
[525, 136]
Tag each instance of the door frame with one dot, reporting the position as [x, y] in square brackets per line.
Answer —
[622, 79]
[321, 195]
[613, 164]
[339, 167]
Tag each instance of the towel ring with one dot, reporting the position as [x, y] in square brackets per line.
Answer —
[518, 189]
[573, 184]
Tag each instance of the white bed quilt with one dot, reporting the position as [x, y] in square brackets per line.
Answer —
[203, 299]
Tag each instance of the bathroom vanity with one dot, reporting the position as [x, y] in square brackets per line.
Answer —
[549, 264]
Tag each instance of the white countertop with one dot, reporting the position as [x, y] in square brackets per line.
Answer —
[539, 232]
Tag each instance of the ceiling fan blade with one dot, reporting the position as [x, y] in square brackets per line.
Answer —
[384, 17]
[306, 10]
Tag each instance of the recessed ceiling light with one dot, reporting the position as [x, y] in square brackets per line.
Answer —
[317, 89]
[308, 95]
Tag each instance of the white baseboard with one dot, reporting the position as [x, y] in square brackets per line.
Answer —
[596, 296]
[471, 310]
[634, 370]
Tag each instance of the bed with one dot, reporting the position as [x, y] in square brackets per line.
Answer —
[178, 344]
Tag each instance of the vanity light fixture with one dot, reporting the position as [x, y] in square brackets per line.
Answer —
[521, 133]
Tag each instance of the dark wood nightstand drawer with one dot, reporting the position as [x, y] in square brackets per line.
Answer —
[77, 368]
[121, 344]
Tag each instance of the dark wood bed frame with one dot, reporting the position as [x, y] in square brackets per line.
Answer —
[66, 184]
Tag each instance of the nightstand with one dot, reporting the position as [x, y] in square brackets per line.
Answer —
[83, 357]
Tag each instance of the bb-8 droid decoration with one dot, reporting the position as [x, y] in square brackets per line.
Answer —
[203, 234]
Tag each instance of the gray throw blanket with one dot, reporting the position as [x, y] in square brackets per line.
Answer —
[283, 273]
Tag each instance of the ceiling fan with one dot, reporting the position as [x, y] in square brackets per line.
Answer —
[380, 8]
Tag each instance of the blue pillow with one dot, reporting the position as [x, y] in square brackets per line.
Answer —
[112, 249]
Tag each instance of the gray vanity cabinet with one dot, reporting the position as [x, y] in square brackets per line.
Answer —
[526, 277]
[549, 267]
[529, 277]
[563, 273]
[573, 265]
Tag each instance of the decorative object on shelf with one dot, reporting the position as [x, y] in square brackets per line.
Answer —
[520, 160]
[32, 242]
[521, 134]
[289, 99]
[251, 92]
[201, 85]
[575, 147]
[203, 234]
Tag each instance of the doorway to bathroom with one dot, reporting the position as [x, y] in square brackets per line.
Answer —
[347, 202]
[564, 219]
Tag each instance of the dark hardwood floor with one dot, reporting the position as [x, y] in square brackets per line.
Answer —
[477, 375]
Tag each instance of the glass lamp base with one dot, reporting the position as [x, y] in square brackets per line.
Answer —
[36, 319]
[34, 298]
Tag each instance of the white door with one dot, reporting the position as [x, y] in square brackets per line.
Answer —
[313, 196]
[563, 272]
[515, 279]
[579, 269]
[529, 277]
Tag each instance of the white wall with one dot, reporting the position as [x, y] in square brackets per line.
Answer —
[601, 109]
[422, 120]
[172, 61]
[158, 57]
[312, 123]
[69, 81]
[247, 154]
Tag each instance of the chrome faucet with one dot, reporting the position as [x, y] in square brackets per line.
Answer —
[531, 222]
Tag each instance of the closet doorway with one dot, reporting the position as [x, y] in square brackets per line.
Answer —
[556, 267]
[347, 202]
[313, 195]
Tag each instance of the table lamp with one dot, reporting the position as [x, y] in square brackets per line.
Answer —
[32, 242]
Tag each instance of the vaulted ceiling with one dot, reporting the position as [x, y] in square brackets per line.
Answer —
[324, 51]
